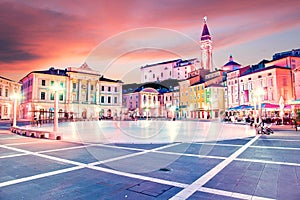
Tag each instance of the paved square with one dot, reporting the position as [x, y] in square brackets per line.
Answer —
[261, 167]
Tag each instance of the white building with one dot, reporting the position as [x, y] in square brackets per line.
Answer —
[174, 69]
[83, 94]
[8, 90]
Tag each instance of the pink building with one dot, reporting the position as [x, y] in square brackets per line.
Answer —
[265, 85]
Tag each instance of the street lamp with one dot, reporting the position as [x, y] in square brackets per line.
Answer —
[259, 92]
[15, 97]
[56, 88]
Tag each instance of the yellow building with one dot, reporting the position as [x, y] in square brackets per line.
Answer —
[184, 98]
[197, 100]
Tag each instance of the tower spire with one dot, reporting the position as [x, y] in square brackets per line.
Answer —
[205, 32]
[206, 47]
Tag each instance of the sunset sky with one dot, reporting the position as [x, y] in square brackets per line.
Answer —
[117, 37]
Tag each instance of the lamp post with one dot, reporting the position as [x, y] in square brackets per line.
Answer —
[15, 98]
[56, 88]
[259, 92]
[255, 113]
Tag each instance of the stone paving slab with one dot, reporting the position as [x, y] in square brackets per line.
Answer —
[89, 154]
[259, 179]
[7, 152]
[207, 196]
[202, 149]
[86, 184]
[63, 170]
[44, 145]
[268, 154]
[27, 165]
[179, 168]
[234, 141]
[141, 146]
[277, 143]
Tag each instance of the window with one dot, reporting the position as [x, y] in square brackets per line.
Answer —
[170, 73]
[52, 83]
[6, 92]
[51, 96]
[61, 97]
[102, 88]
[116, 89]
[102, 99]
[145, 77]
[74, 85]
[162, 74]
[116, 100]
[108, 99]
[61, 84]
[43, 82]
[0, 91]
[43, 96]
[92, 87]
[109, 88]
[153, 75]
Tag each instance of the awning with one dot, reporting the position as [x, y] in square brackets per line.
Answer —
[295, 102]
[242, 107]
[269, 105]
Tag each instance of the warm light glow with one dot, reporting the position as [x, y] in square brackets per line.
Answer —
[16, 96]
[259, 92]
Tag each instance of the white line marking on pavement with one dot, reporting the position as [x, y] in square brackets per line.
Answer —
[188, 191]
[268, 162]
[111, 171]
[218, 144]
[14, 155]
[191, 155]
[133, 154]
[24, 143]
[231, 194]
[277, 139]
[63, 149]
[81, 165]
[43, 156]
[20, 180]
[270, 147]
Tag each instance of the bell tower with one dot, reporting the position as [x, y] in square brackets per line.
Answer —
[206, 48]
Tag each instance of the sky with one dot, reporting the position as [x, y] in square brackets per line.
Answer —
[117, 37]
